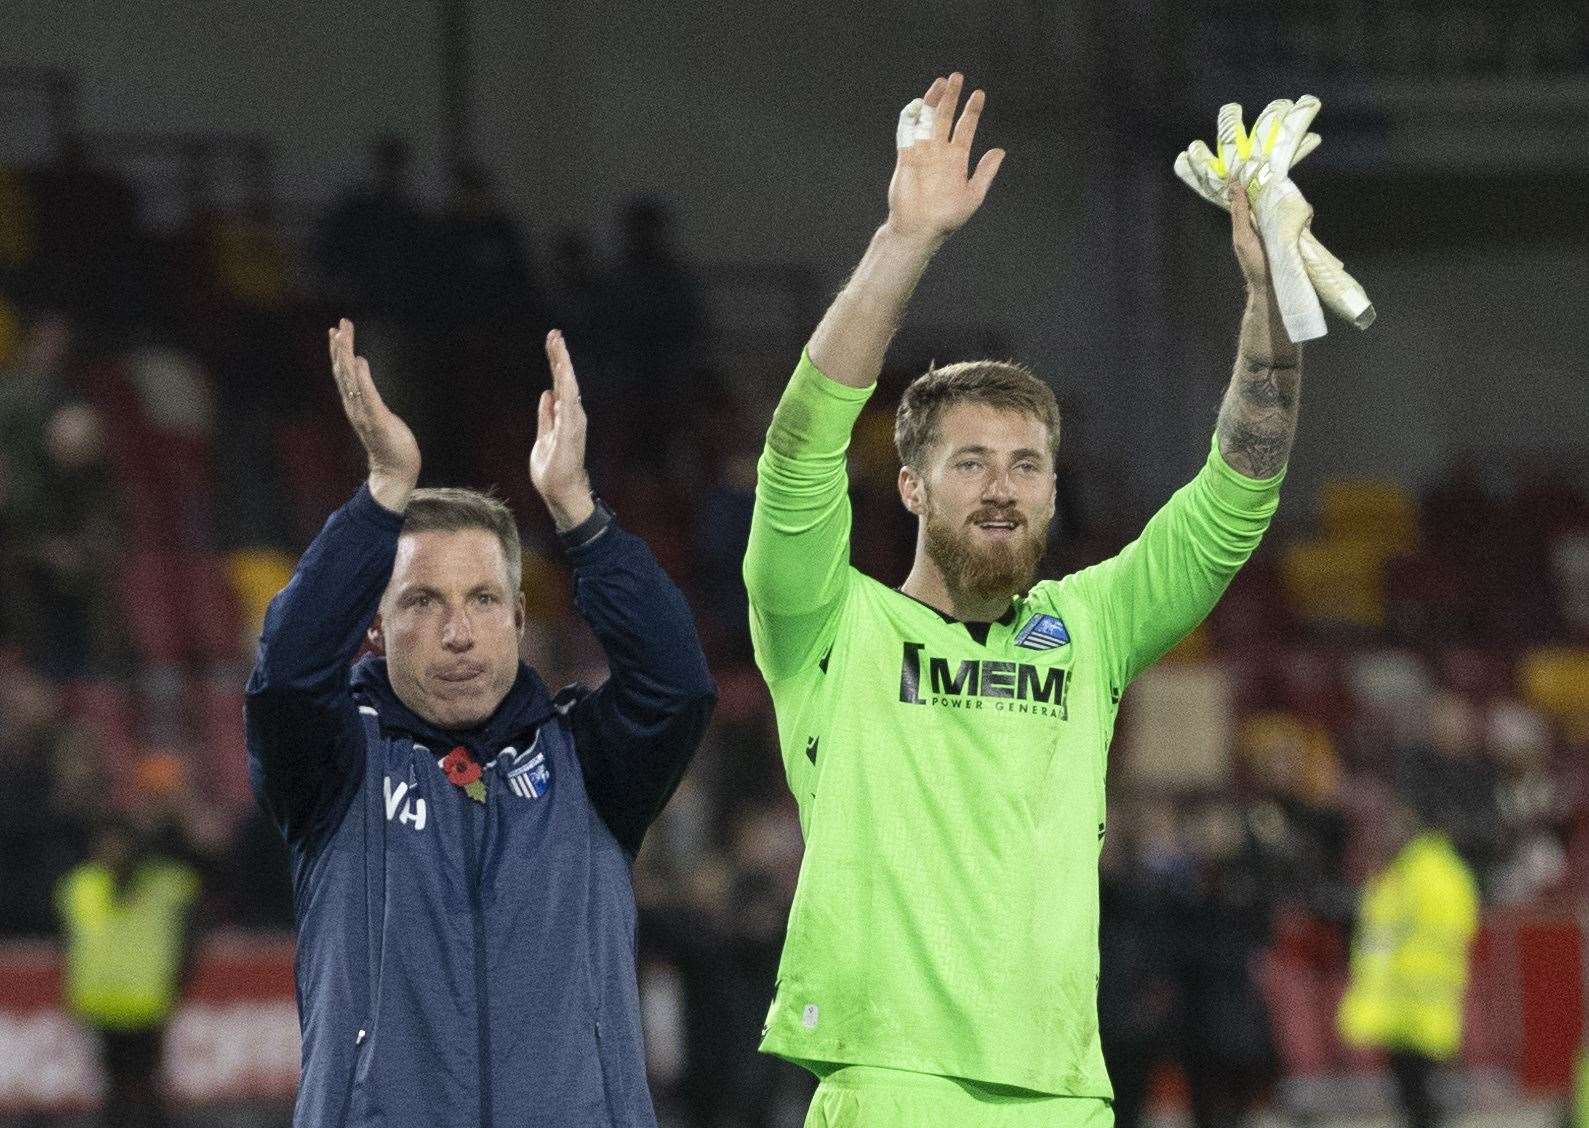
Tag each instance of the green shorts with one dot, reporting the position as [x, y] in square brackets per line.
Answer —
[863, 1096]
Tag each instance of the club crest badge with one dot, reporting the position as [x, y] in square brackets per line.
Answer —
[1042, 632]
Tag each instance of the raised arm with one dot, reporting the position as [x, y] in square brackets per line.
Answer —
[1167, 581]
[636, 733]
[929, 198]
[1258, 418]
[798, 557]
[302, 728]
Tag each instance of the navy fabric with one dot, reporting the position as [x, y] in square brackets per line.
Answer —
[462, 963]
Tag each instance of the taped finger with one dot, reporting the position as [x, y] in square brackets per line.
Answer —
[916, 123]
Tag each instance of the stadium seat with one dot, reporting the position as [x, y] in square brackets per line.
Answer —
[1428, 599]
[256, 575]
[179, 607]
[1336, 581]
[1556, 680]
[1304, 1038]
[1360, 509]
[1254, 613]
[1386, 680]
[309, 453]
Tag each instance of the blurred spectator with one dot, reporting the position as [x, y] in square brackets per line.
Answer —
[1297, 829]
[571, 288]
[1440, 768]
[716, 934]
[245, 258]
[722, 529]
[87, 237]
[480, 263]
[127, 920]
[1183, 922]
[1530, 802]
[54, 788]
[1222, 927]
[60, 528]
[1136, 987]
[1409, 962]
[77, 538]
[650, 309]
[372, 252]
[371, 249]
[34, 381]
[482, 335]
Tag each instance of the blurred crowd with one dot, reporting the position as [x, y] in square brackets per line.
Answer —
[170, 440]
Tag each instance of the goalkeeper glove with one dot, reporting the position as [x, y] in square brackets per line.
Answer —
[1304, 272]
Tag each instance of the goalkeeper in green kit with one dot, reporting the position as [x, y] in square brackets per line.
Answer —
[946, 738]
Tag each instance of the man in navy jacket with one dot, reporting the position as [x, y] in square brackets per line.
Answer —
[462, 840]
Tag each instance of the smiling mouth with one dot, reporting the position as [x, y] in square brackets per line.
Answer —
[1001, 526]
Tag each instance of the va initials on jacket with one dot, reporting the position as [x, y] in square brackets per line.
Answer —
[413, 808]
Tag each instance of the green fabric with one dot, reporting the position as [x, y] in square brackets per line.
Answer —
[952, 794]
[860, 1096]
[124, 953]
[1408, 976]
[1580, 1100]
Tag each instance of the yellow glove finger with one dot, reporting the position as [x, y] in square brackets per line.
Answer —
[1231, 138]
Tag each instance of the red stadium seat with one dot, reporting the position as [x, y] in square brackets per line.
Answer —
[179, 607]
[310, 453]
[1303, 1022]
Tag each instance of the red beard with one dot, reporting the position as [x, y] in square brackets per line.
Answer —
[984, 572]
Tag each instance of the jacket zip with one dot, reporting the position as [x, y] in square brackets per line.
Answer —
[477, 911]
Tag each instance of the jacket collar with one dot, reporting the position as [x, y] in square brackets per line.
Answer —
[523, 710]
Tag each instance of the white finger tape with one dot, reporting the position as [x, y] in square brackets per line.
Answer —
[915, 124]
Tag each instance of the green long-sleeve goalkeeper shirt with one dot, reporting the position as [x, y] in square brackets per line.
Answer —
[951, 791]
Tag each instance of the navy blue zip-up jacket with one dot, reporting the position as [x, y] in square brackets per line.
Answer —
[458, 963]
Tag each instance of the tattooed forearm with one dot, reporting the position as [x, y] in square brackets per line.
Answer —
[1258, 418]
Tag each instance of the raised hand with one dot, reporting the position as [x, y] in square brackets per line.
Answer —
[1277, 143]
[390, 446]
[1245, 240]
[557, 461]
[931, 193]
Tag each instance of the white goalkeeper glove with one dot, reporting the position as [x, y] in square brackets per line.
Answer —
[1303, 271]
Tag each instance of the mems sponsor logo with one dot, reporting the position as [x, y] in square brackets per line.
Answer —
[971, 683]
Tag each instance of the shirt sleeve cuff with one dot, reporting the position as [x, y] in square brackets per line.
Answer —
[364, 507]
[816, 414]
[1235, 488]
[821, 383]
[582, 541]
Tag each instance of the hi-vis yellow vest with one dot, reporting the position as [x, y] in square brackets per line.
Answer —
[1409, 964]
[124, 954]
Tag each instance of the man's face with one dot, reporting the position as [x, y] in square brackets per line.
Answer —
[986, 496]
[450, 626]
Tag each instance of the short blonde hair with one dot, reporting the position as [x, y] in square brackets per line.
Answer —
[449, 509]
[997, 383]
